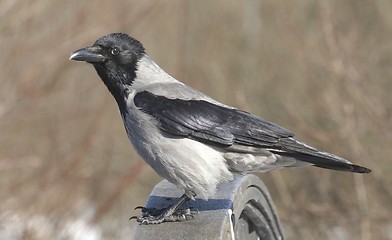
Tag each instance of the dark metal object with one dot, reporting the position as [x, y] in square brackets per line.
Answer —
[241, 209]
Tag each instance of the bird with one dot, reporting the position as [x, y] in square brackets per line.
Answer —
[187, 137]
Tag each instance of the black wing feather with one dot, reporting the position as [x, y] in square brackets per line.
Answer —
[209, 122]
[222, 126]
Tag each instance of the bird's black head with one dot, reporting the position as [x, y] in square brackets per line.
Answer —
[115, 57]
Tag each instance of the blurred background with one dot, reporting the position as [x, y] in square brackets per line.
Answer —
[322, 69]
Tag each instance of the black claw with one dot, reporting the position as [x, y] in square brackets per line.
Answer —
[133, 217]
[171, 214]
[178, 216]
[151, 211]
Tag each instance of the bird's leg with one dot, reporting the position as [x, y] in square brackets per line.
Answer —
[171, 214]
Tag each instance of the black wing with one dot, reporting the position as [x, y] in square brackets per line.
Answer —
[222, 126]
[210, 123]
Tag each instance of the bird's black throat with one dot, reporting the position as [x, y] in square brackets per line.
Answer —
[118, 81]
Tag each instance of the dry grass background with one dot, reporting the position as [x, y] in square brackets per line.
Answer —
[322, 69]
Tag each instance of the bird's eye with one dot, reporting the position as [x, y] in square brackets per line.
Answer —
[115, 51]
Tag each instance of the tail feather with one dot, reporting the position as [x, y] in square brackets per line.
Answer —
[303, 152]
[327, 163]
[353, 168]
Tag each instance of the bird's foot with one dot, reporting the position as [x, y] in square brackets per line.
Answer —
[173, 213]
[156, 216]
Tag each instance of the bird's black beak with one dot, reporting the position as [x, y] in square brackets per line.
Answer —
[89, 54]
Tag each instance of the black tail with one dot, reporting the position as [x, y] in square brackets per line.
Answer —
[326, 162]
[293, 148]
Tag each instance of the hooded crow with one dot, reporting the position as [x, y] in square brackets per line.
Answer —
[187, 137]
